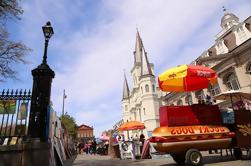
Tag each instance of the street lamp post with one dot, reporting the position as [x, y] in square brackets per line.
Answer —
[64, 97]
[48, 32]
[41, 92]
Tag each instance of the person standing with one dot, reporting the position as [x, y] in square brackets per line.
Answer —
[142, 140]
[94, 147]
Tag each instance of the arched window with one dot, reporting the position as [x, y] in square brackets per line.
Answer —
[180, 102]
[147, 88]
[144, 111]
[126, 108]
[141, 90]
[232, 82]
[153, 88]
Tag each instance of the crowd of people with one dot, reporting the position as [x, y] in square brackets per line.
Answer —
[91, 147]
[88, 147]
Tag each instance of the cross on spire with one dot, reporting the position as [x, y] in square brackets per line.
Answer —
[224, 9]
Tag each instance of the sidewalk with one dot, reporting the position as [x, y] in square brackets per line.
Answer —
[208, 159]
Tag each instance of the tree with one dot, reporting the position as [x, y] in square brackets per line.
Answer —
[10, 51]
[70, 125]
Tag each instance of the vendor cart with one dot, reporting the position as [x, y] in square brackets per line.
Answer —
[186, 130]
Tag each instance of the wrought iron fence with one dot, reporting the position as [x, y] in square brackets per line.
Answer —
[14, 112]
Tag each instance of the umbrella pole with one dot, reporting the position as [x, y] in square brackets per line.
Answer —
[231, 98]
[188, 99]
[128, 135]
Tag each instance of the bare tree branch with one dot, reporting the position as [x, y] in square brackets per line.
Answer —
[11, 52]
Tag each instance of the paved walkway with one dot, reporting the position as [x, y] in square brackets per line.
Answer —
[213, 160]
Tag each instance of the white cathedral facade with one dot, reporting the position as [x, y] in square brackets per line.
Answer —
[141, 102]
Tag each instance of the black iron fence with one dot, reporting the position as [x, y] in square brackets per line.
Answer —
[14, 112]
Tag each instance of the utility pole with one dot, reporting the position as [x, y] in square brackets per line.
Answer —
[64, 97]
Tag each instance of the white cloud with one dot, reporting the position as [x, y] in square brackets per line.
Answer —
[89, 54]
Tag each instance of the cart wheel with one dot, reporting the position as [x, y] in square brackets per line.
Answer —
[179, 158]
[193, 157]
[237, 153]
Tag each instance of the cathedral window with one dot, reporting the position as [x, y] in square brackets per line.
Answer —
[126, 108]
[147, 88]
[153, 88]
[140, 115]
[144, 111]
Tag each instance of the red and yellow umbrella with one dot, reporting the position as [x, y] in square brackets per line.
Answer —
[186, 78]
[132, 125]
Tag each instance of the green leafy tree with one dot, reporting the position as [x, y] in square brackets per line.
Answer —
[70, 124]
[10, 51]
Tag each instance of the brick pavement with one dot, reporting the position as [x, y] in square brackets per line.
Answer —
[211, 160]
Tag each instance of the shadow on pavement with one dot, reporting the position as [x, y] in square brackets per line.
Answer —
[213, 160]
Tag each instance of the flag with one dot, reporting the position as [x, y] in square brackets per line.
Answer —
[22, 114]
[7, 107]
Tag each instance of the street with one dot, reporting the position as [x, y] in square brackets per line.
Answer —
[214, 159]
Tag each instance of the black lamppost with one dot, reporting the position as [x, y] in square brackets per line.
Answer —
[41, 92]
[48, 32]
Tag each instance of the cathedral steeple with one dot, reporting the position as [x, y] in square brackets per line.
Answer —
[138, 49]
[145, 65]
[126, 92]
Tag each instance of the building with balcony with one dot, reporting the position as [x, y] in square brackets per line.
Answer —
[230, 57]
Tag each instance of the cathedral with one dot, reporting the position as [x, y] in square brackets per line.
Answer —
[142, 102]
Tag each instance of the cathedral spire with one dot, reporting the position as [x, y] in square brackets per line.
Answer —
[224, 9]
[145, 65]
[126, 91]
[138, 48]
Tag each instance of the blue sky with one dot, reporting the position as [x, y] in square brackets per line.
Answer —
[94, 41]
